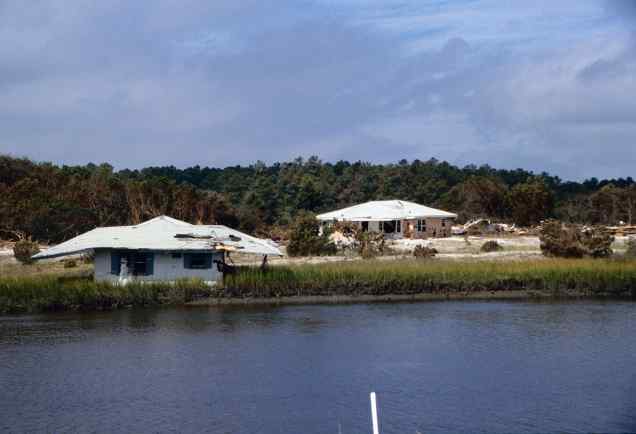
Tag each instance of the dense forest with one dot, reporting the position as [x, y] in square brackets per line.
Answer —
[51, 203]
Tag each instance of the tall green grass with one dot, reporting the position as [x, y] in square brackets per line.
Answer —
[372, 277]
[46, 293]
[377, 277]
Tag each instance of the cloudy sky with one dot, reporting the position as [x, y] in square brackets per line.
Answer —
[545, 85]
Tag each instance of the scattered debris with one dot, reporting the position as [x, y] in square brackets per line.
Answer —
[623, 230]
[491, 246]
[194, 236]
[424, 252]
[484, 227]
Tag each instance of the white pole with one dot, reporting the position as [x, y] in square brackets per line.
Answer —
[374, 414]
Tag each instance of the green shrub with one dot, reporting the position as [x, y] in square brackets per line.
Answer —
[573, 241]
[491, 246]
[560, 240]
[424, 252]
[598, 242]
[24, 249]
[305, 238]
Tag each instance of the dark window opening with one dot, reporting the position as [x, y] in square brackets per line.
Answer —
[389, 227]
[421, 225]
[399, 226]
[197, 261]
[139, 265]
[365, 226]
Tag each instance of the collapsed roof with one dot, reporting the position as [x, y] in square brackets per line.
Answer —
[383, 210]
[163, 234]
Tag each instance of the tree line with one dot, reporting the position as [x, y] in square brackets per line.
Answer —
[53, 203]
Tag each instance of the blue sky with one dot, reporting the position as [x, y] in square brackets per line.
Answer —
[544, 85]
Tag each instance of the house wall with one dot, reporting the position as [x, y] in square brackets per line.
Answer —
[166, 268]
[435, 228]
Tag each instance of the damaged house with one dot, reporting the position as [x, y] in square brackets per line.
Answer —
[395, 218]
[161, 249]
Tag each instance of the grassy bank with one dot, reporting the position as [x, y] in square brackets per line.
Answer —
[377, 278]
[339, 282]
[63, 292]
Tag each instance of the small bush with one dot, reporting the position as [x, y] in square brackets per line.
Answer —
[572, 241]
[370, 244]
[491, 246]
[70, 263]
[23, 250]
[560, 240]
[424, 252]
[305, 238]
[598, 242]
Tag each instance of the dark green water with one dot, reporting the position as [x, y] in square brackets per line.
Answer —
[436, 367]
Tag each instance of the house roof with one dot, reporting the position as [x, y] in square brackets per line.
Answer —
[381, 210]
[165, 234]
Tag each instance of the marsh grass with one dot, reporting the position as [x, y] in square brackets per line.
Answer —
[32, 292]
[72, 292]
[613, 277]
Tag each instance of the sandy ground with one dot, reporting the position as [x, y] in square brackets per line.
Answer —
[516, 248]
[452, 248]
[6, 255]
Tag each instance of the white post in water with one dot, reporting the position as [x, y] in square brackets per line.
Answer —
[374, 414]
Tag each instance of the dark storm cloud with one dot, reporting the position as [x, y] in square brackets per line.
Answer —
[215, 83]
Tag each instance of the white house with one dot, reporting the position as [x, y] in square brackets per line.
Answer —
[161, 249]
[395, 218]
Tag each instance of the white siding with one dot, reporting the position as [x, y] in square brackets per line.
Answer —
[166, 268]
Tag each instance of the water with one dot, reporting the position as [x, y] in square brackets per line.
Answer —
[436, 367]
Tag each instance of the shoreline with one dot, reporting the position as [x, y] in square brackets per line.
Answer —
[371, 281]
[500, 295]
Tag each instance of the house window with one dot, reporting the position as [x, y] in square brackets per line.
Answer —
[388, 227]
[197, 261]
[421, 225]
[139, 263]
[365, 226]
[443, 223]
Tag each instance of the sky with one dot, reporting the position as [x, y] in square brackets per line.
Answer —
[543, 85]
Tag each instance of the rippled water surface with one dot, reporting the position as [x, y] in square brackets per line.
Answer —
[436, 367]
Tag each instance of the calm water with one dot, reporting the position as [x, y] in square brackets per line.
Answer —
[437, 367]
